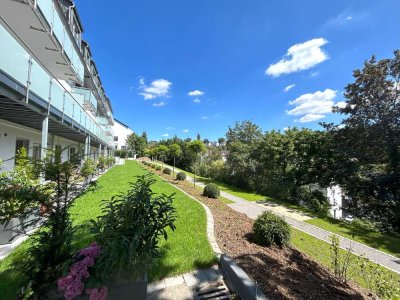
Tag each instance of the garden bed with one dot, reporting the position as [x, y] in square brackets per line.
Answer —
[280, 273]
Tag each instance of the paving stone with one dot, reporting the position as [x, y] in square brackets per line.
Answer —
[155, 286]
[190, 279]
[174, 281]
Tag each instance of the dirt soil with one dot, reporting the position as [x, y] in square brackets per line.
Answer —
[281, 273]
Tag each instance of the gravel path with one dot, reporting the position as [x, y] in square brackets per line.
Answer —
[253, 210]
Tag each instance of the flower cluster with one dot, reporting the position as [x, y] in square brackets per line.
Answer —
[73, 283]
[98, 294]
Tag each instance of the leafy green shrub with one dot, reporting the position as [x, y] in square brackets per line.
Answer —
[211, 190]
[270, 229]
[153, 166]
[181, 176]
[158, 168]
[88, 168]
[130, 228]
[167, 171]
[101, 163]
[121, 153]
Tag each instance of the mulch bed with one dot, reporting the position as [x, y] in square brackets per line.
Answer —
[281, 273]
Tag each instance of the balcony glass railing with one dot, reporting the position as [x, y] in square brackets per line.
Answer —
[14, 61]
[60, 32]
[87, 95]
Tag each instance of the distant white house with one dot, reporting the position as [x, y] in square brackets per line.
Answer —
[121, 132]
[335, 196]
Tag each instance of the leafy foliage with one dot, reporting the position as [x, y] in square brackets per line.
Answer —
[270, 229]
[211, 190]
[158, 168]
[167, 171]
[130, 228]
[181, 176]
[88, 168]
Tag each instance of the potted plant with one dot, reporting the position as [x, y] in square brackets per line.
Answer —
[128, 232]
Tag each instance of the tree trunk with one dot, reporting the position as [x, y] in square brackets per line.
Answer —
[173, 169]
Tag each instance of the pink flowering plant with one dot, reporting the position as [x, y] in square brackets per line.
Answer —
[73, 284]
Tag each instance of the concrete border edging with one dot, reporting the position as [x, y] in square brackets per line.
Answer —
[238, 281]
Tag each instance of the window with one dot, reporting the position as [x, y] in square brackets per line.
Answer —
[21, 143]
[58, 154]
[36, 151]
[72, 152]
[116, 138]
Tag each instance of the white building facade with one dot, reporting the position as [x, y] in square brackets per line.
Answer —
[121, 132]
[51, 95]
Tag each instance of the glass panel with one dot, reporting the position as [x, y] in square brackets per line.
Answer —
[68, 109]
[57, 95]
[47, 9]
[40, 81]
[14, 60]
[58, 29]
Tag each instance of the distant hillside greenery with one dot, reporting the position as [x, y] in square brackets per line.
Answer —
[362, 153]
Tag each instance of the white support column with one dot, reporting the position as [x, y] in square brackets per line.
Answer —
[87, 147]
[99, 149]
[44, 139]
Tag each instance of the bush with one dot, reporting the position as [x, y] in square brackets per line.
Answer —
[167, 171]
[211, 191]
[158, 168]
[130, 228]
[88, 168]
[181, 176]
[153, 166]
[270, 229]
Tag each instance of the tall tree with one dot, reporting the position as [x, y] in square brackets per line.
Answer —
[136, 144]
[368, 140]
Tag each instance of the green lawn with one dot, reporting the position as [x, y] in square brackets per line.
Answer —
[186, 249]
[320, 251]
[384, 242]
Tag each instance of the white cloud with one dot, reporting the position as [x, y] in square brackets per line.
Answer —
[165, 135]
[196, 93]
[310, 118]
[313, 106]
[168, 128]
[299, 57]
[197, 100]
[158, 88]
[289, 87]
[158, 104]
[204, 118]
[185, 130]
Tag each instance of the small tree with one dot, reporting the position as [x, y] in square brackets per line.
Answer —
[196, 148]
[175, 151]
[162, 152]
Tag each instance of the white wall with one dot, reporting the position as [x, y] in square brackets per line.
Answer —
[9, 132]
[122, 132]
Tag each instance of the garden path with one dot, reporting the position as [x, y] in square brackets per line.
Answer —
[253, 210]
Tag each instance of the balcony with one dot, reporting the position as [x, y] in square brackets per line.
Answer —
[41, 26]
[23, 70]
[104, 122]
[88, 101]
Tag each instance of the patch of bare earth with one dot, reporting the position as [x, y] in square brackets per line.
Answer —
[281, 273]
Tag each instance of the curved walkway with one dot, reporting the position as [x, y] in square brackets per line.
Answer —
[253, 210]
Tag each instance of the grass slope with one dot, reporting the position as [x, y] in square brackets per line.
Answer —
[384, 242]
[381, 241]
[186, 249]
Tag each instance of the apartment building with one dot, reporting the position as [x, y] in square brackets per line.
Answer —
[121, 133]
[51, 94]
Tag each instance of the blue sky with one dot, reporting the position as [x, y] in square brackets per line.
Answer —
[237, 57]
